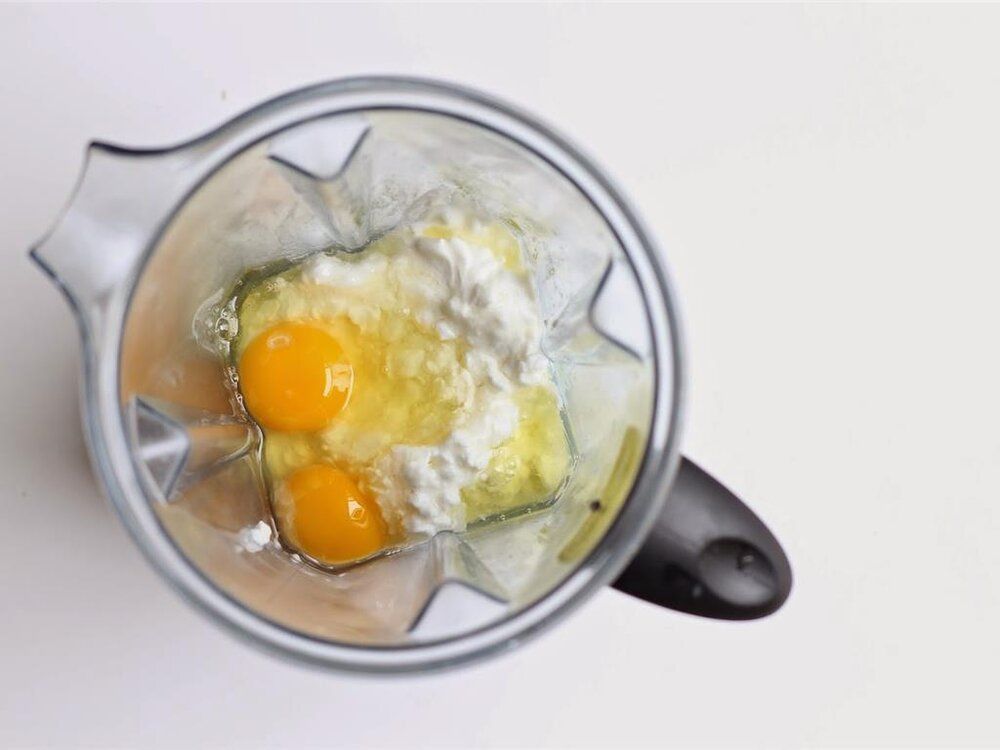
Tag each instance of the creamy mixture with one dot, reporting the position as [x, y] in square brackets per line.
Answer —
[431, 404]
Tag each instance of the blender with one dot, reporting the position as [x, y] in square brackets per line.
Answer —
[147, 253]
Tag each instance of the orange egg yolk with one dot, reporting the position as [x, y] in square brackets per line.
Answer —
[295, 376]
[332, 520]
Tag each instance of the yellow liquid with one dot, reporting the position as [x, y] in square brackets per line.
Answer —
[527, 468]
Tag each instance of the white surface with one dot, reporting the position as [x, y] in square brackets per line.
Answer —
[825, 180]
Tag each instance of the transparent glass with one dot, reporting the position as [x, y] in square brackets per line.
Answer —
[148, 252]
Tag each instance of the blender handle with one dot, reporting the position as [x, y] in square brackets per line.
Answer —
[709, 554]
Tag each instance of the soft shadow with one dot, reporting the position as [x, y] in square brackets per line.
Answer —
[44, 439]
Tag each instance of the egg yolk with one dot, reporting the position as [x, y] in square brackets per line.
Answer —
[295, 376]
[332, 520]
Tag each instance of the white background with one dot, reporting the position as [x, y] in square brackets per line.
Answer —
[826, 183]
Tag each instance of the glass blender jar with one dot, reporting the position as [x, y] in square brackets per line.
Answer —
[152, 242]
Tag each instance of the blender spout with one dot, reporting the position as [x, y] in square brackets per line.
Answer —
[117, 208]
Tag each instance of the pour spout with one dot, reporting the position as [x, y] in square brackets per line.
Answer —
[117, 208]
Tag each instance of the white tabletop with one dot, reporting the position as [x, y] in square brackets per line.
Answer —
[826, 183]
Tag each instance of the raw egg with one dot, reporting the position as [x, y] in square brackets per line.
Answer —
[294, 376]
[328, 517]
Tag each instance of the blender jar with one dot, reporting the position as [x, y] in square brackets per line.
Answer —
[148, 252]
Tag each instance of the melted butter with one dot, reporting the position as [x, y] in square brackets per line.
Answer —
[526, 469]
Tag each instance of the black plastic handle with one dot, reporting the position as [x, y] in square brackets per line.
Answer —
[709, 555]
